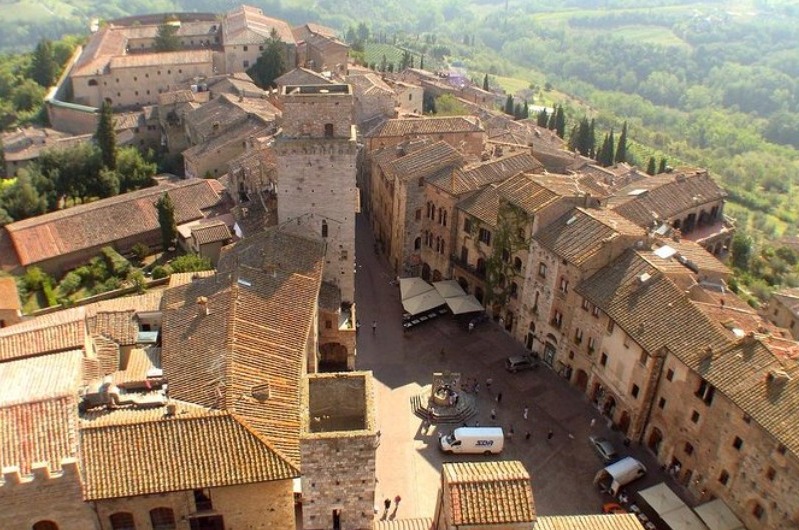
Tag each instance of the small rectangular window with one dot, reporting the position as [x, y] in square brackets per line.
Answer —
[485, 236]
[585, 305]
[662, 403]
[635, 391]
[245, 48]
[688, 448]
[669, 374]
[724, 477]
[467, 225]
[771, 473]
[246, 64]
[542, 270]
[564, 285]
[695, 416]
[595, 312]
[737, 443]
[604, 359]
[591, 345]
[644, 358]
[611, 326]
[418, 214]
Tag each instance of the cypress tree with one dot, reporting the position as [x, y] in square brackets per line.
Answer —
[560, 122]
[43, 66]
[609, 151]
[485, 83]
[106, 138]
[551, 121]
[650, 168]
[663, 167]
[573, 139]
[583, 142]
[592, 139]
[525, 110]
[166, 220]
[621, 150]
[542, 118]
[509, 105]
[421, 63]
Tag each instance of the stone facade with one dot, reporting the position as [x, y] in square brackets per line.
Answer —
[260, 506]
[45, 496]
[338, 447]
[783, 310]
[437, 236]
[316, 153]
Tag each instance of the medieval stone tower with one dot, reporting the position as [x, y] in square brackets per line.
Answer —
[316, 153]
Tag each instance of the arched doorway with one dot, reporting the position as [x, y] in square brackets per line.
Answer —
[333, 357]
[550, 347]
[463, 283]
[528, 342]
[508, 321]
[655, 440]
[609, 408]
[425, 272]
[436, 275]
[581, 380]
[624, 422]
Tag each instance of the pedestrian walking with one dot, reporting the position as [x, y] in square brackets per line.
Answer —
[550, 434]
[477, 388]
[510, 433]
[593, 422]
[374, 327]
[387, 504]
[357, 326]
[477, 423]
[499, 398]
[489, 382]
[471, 326]
[397, 500]
[527, 435]
[493, 414]
[526, 411]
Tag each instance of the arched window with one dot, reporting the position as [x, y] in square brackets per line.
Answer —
[162, 519]
[122, 521]
[324, 228]
[445, 218]
[45, 525]
[440, 214]
[517, 264]
[417, 243]
[428, 210]
[438, 244]
[442, 246]
[328, 130]
[92, 82]
[514, 290]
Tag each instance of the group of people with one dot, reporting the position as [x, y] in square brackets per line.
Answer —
[387, 506]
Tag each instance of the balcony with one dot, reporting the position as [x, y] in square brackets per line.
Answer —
[466, 266]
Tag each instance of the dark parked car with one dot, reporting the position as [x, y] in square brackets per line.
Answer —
[604, 449]
[518, 363]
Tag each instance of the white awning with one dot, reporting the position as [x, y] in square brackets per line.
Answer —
[718, 516]
[464, 304]
[671, 508]
[449, 288]
[423, 302]
[410, 287]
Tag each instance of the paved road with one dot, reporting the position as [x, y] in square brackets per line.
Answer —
[409, 462]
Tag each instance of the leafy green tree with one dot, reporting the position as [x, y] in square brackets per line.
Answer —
[133, 170]
[621, 149]
[363, 32]
[166, 220]
[651, 168]
[448, 105]
[190, 263]
[27, 95]
[106, 184]
[741, 251]
[106, 136]
[272, 62]
[485, 83]
[43, 66]
[2, 160]
[21, 200]
[167, 40]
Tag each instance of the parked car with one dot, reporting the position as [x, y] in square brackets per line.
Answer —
[604, 449]
[518, 363]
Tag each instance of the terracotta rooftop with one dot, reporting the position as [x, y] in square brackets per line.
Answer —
[652, 309]
[43, 335]
[479, 175]
[368, 83]
[302, 76]
[107, 220]
[306, 30]
[765, 388]
[260, 311]
[38, 409]
[627, 521]
[27, 144]
[9, 295]
[489, 493]
[527, 192]
[424, 161]
[249, 25]
[163, 454]
[660, 197]
[582, 233]
[693, 256]
[138, 60]
[219, 114]
[413, 126]
[211, 233]
[234, 135]
[484, 205]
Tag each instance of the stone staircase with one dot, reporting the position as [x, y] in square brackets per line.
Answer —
[460, 413]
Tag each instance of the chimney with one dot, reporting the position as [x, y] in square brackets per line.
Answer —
[707, 353]
[202, 306]
[171, 410]
[676, 235]
[11, 476]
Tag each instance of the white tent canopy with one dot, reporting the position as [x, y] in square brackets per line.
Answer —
[410, 287]
[456, 298]
[422, 302]
[671, 508]
[718, 516]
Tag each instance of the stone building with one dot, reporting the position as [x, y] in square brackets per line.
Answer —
[783, 310]
[567, 251]
[374, 98]
[244, 30]
[316, 152]
[338, 446]
[10, 307]
[464, 133]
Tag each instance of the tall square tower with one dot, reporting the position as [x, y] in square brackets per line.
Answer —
[316, 152]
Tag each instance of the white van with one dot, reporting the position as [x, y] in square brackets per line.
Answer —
[618, 474]
[473, 440]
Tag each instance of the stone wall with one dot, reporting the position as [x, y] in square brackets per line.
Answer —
[316, 155]
[338, 445]
[45, 496]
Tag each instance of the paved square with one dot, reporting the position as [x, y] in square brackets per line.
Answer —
[409, 462]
